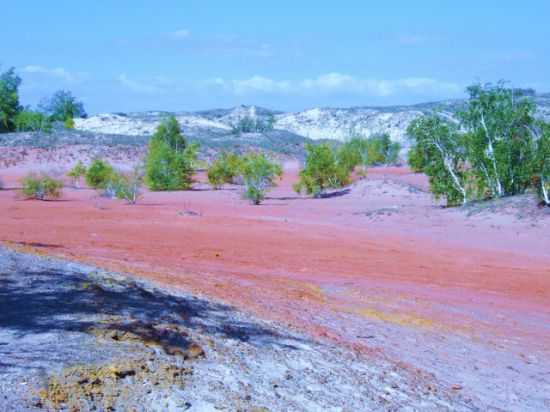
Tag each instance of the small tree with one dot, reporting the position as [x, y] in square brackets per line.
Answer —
[41, 186]
[9, 99]
[446, 164]
[69, 123]
[258, 174]
[170, 162]
[99, 174]
[126, 186]
[62, 106]
[325, 168]
[77, 172]
[224, 169]
[29, 121]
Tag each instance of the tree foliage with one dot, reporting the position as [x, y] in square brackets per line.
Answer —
[31, 121]
[224, 169]
[9, 99]
[99, 174]
[325, 168]
[62, 106]
[496, 147]
[247, 124]
[258, 172]
[77, 172]
[126, 186]
[41, 186]
[170, 162]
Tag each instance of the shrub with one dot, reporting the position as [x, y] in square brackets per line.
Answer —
[224, 169]
[77, 172]
[41, 187]
[9, 99]
[69, 123]
[62, 106]
[247, 124]
[381, 150]
[258, 173]
[126, 186]
[170, 162]
[416, 158]
[99, 173]
[29, 121]
[324, 168]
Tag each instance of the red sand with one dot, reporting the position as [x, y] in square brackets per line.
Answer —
[382, 267]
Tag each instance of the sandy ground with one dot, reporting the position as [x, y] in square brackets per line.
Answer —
[75, 337]
[462, 295]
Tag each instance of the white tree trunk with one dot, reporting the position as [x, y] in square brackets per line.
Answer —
[498, 189]
[455, 178]
[544, 190]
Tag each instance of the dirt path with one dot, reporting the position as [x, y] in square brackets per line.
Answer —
[460, 294]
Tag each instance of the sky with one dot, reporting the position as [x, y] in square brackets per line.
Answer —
[118, 56]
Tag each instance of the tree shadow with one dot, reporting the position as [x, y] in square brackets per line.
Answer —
[337, 193]
[50, 301]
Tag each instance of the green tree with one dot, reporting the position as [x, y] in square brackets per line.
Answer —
[62, 106]
[499, 144]
[77, 172]
[258, 174]
[324, 168]
[69, 123]
[446, 165]
[9, 99]
[170, 162]
[381, 150]
[41, 186]
[30, 121]
[224, 169]
[99, 174]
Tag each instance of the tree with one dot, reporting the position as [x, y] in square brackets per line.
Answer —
[69, 123]
[258, 174]
[360, 146]
[126, 186]
[41, 186]
[9, 99]
[170, 162]
[99, 174]
[496, 123]
[445, 165]
[381, 150]
[77, 172]
[30, 121]
[325, 168]
[223, 169]
[62, 106]
[541, 161]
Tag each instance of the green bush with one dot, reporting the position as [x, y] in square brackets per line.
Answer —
[77, 172]
[69, 123]
[29, 121]
[99, 173]
[126, 186]
[325, 168]
[41, 186]
[170, 162]
[258, 173]
[224, 169]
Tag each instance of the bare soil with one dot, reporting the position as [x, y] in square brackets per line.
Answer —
[462, 295]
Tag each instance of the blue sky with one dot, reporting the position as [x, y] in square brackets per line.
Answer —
[287, 55]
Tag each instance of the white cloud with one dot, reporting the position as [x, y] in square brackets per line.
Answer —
[327, 84]
[178, 35]
[58, 72]
[139, 87]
